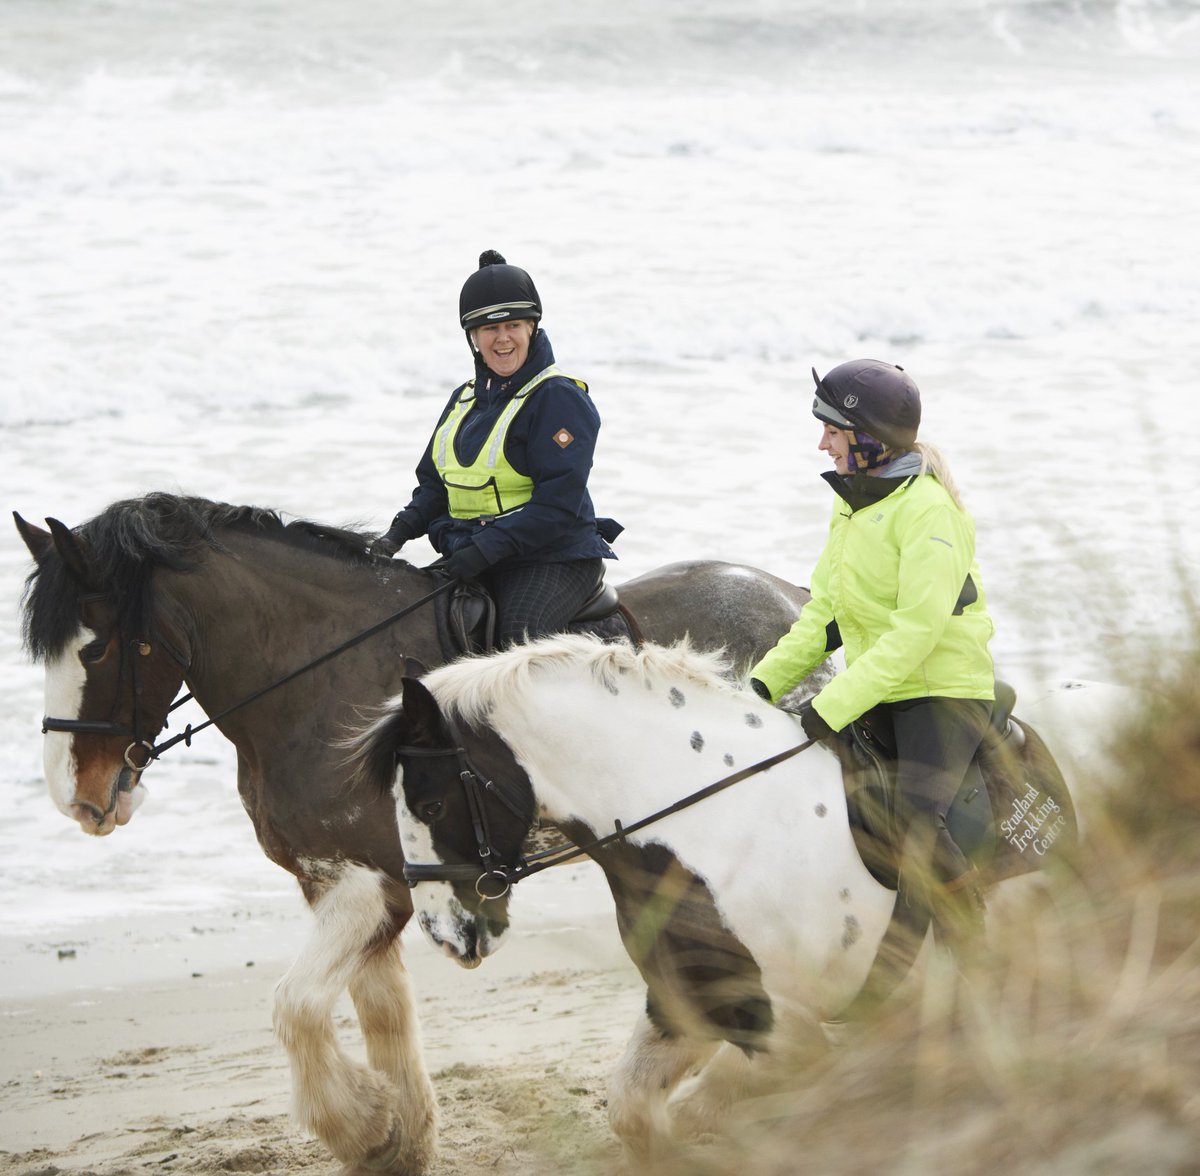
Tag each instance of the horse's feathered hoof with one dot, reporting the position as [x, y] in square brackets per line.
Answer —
[387, 1159]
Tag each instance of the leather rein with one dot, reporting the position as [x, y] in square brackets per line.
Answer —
[141, 647]
[494, 878]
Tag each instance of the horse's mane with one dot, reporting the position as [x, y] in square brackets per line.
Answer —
[129, 539]
[467, 689]
[471, 687]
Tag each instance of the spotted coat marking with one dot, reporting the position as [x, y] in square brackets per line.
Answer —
[697, 741]
[851, 932]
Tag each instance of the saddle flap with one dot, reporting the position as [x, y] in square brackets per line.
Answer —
[599, 605]
[1012, 813]
[869, 776]
[466, 620]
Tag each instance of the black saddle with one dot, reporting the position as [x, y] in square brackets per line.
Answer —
[1011, 813]
[467, 618]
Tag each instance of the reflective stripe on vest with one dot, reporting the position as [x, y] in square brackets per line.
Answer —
[489, 486]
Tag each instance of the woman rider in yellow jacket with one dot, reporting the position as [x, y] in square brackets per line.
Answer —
[897, 584]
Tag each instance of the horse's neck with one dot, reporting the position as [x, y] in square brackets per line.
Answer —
[626, 758]
[262, 610]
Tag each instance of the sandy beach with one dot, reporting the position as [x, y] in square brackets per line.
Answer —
[232, 237]
[105, 1073]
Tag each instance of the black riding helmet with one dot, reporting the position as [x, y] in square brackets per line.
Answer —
[869, 396]
[497, 291]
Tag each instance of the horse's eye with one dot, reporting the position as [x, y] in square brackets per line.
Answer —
[93, 651]
[429, 811]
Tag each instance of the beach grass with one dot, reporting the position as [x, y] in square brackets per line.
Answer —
[1071, 1045]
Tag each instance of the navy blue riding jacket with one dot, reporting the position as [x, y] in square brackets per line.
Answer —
[558, 523]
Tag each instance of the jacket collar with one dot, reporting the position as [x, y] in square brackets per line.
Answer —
[861, 490]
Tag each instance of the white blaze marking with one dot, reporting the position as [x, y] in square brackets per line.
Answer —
[65, 680]
[439, 913]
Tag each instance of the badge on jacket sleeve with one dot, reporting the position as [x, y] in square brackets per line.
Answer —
[563, 438]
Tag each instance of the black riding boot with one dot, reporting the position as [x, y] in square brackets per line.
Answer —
[956, 896]
[936, 877]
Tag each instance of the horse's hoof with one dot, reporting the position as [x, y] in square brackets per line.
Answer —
[387, 1160]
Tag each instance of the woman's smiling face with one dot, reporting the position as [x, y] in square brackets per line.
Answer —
[836, 442]
[504, 346]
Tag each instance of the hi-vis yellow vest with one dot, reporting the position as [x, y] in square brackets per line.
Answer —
[489, 485]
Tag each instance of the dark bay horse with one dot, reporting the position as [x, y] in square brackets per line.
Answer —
[167, 590]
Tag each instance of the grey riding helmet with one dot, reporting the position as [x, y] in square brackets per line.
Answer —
[870, 396]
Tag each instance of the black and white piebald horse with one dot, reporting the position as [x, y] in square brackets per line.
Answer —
[748, 914]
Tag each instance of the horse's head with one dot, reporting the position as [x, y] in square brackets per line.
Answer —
[463, 818]
[110, 679]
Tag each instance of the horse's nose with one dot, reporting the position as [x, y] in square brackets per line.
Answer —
[470, 940]
[465, 952]
[85, 808]
[88, 814]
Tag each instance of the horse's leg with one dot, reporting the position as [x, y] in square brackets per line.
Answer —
[383, 998]
[704, 1101]
[653, 1063]
[701, 1103]
[373, 1121]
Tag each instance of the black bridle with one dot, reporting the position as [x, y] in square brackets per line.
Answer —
[499, 876]
[476, 789]
[136, 730]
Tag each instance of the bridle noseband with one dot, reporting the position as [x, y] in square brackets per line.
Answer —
[496, 875]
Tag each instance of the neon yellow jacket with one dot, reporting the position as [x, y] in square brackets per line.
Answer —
[899, 577]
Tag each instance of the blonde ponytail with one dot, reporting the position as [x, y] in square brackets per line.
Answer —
[932, 462]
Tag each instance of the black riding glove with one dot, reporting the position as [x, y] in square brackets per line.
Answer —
[814, 726]
[398, 534]
[464, 564]
[385, 546]
[760, 688]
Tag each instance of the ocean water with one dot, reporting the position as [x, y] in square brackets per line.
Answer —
[232, 237]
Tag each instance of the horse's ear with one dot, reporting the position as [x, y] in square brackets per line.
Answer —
[420, 708]
[71, 551]
[414, 668]
[38, 541]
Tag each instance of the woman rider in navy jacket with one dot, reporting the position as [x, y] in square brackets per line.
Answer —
[502, 486]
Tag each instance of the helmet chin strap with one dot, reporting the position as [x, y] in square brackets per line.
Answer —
[867, 452]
